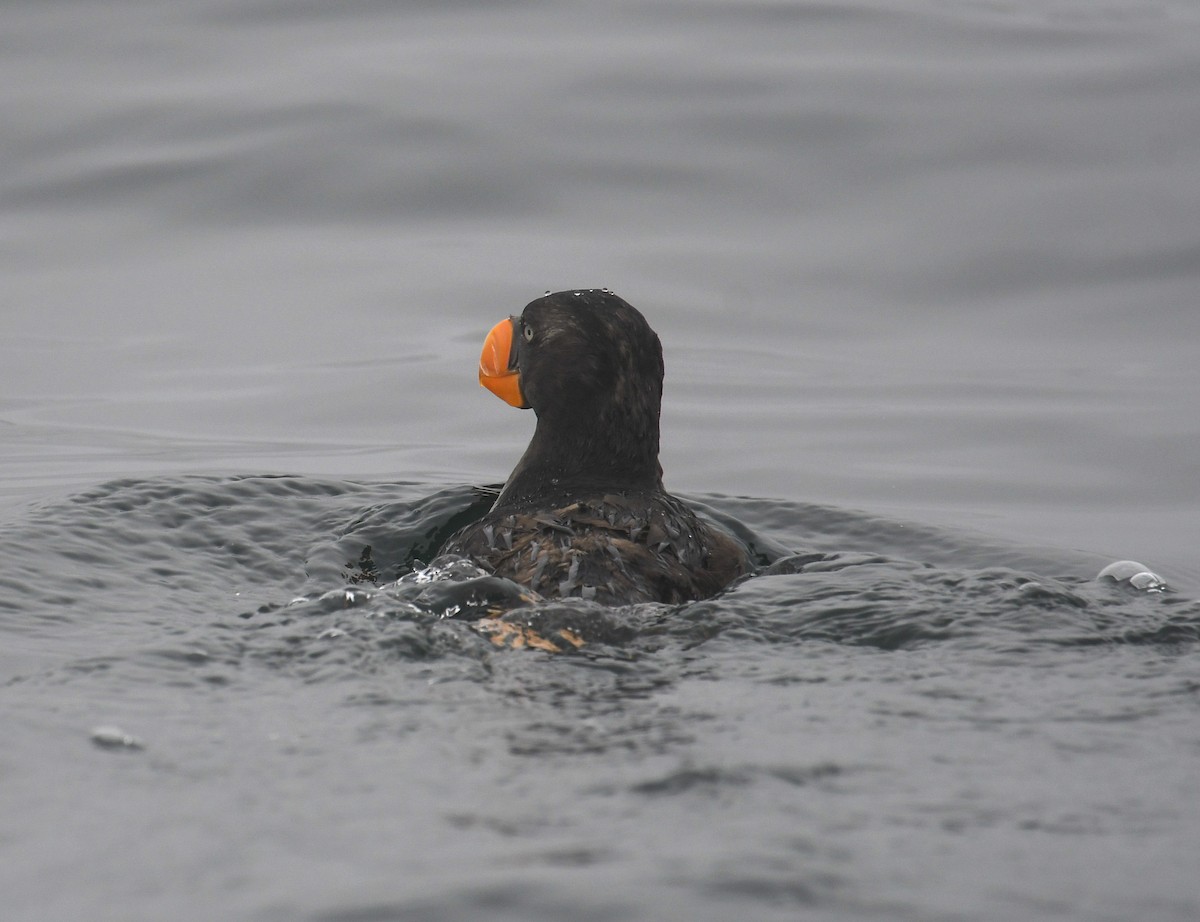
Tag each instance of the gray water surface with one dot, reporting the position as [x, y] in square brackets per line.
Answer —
[926, 276]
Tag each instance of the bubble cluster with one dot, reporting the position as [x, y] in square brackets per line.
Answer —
[1137, 575]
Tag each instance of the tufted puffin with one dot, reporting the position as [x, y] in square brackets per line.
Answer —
[584, 512]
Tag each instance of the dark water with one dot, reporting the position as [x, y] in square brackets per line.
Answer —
[868, 736]
[927, 278]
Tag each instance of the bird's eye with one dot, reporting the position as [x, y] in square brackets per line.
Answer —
[527, 331]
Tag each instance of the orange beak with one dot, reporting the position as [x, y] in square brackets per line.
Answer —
[498, 365]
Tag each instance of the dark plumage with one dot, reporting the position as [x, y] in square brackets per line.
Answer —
[584, 512]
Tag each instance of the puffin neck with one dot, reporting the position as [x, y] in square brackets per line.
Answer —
[565, 461]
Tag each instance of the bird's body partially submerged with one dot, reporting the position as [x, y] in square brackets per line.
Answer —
[584, 512]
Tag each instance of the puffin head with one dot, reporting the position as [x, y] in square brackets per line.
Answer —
[575, 352]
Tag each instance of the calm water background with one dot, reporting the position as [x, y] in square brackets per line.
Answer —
[924, 272]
